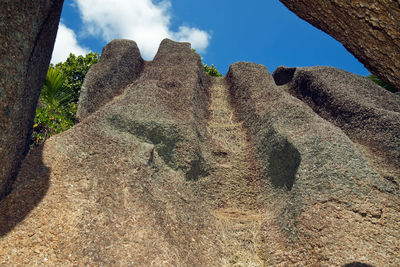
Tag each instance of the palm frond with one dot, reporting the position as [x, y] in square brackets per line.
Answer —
[54, 92]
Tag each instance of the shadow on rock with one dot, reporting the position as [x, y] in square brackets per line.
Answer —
[357, 264]
[28, 190]
[284, 162]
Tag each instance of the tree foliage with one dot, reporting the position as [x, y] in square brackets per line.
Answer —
[54, 92]
[75, 69]
[59, 97]
[55, 110]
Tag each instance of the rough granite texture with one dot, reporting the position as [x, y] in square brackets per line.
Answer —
[368, 29]
[366, 112]
[330, 201]
[182, 169]
[117, 188]
[27, 33]
[120, 64]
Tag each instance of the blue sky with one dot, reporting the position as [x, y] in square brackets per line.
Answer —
[223, 32]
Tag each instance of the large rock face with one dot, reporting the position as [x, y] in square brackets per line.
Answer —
[328, 197]
[120, 64]
[368, 29]
[368, 114]
[181, 169]
[27, 34]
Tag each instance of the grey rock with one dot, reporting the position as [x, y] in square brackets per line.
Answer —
[366, 112]
[120, 64]
[27, 35]
[139, 157]
[310, 166]
[166, 106]
[182, 168]
[283, 75]
[370, 31]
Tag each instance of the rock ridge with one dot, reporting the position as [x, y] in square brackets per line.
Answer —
[367, 113]
[309, 164]
[178, 168]
[120, 64]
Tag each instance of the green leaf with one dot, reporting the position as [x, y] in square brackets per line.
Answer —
[381, 83]
[58, 100]
[212, 71]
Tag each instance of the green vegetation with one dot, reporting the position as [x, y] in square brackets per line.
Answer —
[381, 83]
[210, 70]
[58, 99]
[75, 69]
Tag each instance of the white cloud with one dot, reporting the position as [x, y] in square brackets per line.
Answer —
[193, 36]
[139, 20]
[65, 44]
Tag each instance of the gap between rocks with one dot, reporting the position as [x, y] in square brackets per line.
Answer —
[240, 220]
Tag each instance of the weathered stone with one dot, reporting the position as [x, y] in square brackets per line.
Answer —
[120, 64]
[182, 169]
[368, 29]
[326, 194]
[124, 177]
[366, 112]
[27, 33]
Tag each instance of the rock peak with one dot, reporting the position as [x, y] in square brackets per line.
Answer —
[169, 166]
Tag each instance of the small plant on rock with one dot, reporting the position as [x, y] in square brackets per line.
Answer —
[381, 83]
[210, 70]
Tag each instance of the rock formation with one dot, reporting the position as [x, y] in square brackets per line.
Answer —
[368, 29]
[27, 33]
[368, 115]
[119, 65]
[177, 168]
